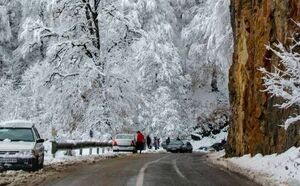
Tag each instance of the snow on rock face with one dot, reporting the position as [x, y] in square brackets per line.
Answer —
[255, 119]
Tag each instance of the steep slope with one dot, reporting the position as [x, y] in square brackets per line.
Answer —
[255, 124]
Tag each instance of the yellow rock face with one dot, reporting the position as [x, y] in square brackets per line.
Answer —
[255, 121]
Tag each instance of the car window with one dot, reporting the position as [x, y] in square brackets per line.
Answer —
[16, 134]
[176, 142]
[124, 136]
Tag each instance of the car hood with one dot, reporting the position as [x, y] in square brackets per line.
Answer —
[14, 146]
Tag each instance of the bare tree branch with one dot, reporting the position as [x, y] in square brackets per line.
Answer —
[52, 77]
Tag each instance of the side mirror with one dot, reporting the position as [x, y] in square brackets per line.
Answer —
[40, 140]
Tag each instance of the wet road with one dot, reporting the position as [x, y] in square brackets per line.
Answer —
[151, 170]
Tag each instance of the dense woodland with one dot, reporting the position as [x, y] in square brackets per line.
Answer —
[160, 66]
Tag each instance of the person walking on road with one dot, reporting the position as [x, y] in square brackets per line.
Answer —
[148, 142]
[140, 141]
[168, 141]
[155, 143]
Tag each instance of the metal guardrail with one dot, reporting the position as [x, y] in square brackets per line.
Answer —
[56, 146]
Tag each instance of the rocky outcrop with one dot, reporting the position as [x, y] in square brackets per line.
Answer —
[255, 121]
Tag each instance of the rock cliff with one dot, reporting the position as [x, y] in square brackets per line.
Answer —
[255, 121]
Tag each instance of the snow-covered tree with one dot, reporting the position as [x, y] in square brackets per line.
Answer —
[284, 80]
[69, 80]
[208, 41]
[157, 66]
[111, 65]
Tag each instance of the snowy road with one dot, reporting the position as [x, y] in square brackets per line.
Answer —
[150, 169]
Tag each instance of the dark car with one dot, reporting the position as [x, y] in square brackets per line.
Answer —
[164, 145]
[175, 146]
[179, 146]
[187, 147]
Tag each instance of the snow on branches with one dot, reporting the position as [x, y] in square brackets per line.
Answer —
[284, 82]
[5, 30]
[112, 64]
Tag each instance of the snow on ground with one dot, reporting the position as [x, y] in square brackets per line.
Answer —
[51, 169]
[210, 140]
[60, 163]
[62, 157]
[55, 165]
[276, 169]
[160, 150]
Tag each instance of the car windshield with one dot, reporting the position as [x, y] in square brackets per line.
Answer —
[175, 142]
[16, 134]
[124, 136]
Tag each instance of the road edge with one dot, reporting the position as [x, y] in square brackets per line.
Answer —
[257, 177]
[50, 171]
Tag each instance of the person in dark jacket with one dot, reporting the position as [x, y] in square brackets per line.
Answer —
[168, 141]
[140, 141]
[155, 143]
[148, 142]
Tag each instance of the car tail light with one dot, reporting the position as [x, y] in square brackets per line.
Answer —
[114, 143]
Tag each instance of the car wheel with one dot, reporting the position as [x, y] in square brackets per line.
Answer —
[35, 165]
[41, 165]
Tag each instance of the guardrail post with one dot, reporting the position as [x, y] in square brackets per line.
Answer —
[80, 145]
[54, 148]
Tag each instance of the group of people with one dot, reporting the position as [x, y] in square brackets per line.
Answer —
[156, 142]
[140, 142]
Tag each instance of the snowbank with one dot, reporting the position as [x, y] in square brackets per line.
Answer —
[275, 169]
[62, 157]
[160, 150]
[210, 140]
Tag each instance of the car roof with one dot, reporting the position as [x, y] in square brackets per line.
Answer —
[176, 141]
[184, 141]
[17, 124]
[124, 134]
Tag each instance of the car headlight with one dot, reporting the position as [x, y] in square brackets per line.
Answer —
[28, 152]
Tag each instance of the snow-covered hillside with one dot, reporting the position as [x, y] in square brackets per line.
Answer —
[114, 65]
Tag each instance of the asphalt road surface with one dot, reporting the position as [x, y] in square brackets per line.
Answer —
[151, 170]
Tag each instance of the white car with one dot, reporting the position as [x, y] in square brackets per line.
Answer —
[124, 142]
[21, 146]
